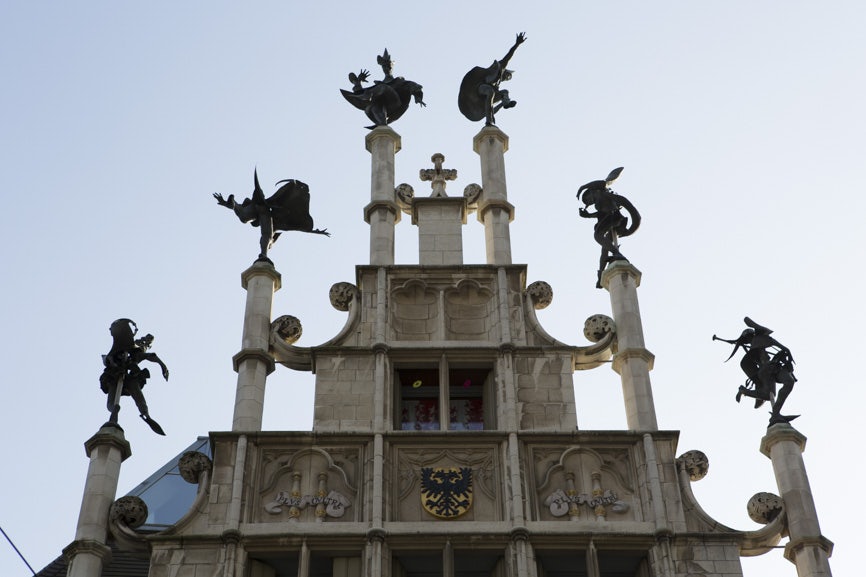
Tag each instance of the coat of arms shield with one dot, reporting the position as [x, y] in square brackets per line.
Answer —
[446, 492]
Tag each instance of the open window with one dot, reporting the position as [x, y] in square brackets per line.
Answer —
[447, 396]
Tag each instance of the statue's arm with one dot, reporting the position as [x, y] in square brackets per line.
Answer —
[521, 38]
[152, 357]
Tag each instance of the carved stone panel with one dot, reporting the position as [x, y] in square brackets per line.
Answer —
[415, 311]
[309, 484]
[470, 312]
[579, 483]
[445, 484]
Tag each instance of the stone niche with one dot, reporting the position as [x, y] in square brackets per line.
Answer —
[308, 484]
[430, 483]
[438, 306]
[579, 483]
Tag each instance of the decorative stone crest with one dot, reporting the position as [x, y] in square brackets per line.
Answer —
[405, 194]
[192, 464]
[327, 503]
[287, 329]
[568, 502]
[695, 463]
[764, 507]
[341, 294]
[541, 294]
[438, 175]
[597, 327]
[472, 193]
[129, 510]
[446, 492]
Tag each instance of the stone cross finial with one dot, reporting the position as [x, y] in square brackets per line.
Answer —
[438, 175]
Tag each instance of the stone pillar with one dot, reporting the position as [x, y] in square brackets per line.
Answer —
[254, 363]
[87, 555]
[382, 213]
[807, 548]
[440, 232]
[494, 210]
[632, 361]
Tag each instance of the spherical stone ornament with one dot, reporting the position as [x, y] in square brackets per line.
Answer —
[597, 327]
[541, 294]
[405, 194]
[695, 464]
[129, 510]
[472, 193]
[288, 328]
[764, 507]
[192, 464]
[342, 294]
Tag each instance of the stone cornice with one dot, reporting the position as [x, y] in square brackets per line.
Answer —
[782, 432]
[622, 356]
[383, 132]
[485, 205]
[490, 132]
[620, 267]
[246, 354]
[262, 268]
[88, 547]
[111, 435]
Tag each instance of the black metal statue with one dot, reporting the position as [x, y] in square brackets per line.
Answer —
[387, 99]
[766, 363]
[480, 95]
[611, 224]
[287, 209]
[122, 376]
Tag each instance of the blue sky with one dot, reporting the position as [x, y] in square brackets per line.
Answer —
[740, 126]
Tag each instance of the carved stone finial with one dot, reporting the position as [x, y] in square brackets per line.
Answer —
[764, 507]
[540, 293]
[695, 463]
[192, 464]
[129, 510]
[438, 175]
[404, 193]
[342, 293]
[597, 327]
[472, 193]
[288, 328]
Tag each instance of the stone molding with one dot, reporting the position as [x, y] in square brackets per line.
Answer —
[87, 547]
[383, 132]
[484, 205]
[490, 132]
[620, 267]
[257, 354]
[262, 268]
[795, 546]
[636, 353]
[782, 432]
[110, 435]
[388, 205]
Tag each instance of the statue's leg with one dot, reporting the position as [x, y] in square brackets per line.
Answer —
[267, 224]
[137, 396]
[113, 409]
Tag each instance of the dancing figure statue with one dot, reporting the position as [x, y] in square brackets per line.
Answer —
[766, 362]
[387, 99]
[611, 224]
[122, 376]
[287, 209]
[480, 96]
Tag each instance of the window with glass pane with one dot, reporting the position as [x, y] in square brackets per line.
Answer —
[466, 399]
[419, 399]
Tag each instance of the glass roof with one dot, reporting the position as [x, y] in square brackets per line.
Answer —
[167, 495]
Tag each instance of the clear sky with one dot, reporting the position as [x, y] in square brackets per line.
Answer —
[740, 126]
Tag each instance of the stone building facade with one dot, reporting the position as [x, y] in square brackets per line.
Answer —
[445, 439]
